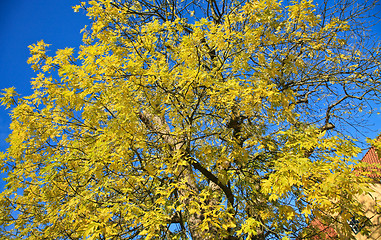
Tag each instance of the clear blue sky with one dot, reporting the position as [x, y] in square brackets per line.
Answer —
[25, 22]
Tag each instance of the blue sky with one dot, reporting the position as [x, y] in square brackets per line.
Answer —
[25, 22]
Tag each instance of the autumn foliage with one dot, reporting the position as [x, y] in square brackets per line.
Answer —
[192, 120]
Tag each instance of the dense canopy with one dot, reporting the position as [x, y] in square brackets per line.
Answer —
[192, 119]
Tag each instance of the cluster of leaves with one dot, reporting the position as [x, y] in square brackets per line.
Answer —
[191, 120]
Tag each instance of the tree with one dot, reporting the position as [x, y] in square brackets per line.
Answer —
[193, 120]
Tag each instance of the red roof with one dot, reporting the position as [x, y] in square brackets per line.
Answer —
[324, 231]
[372, 158]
